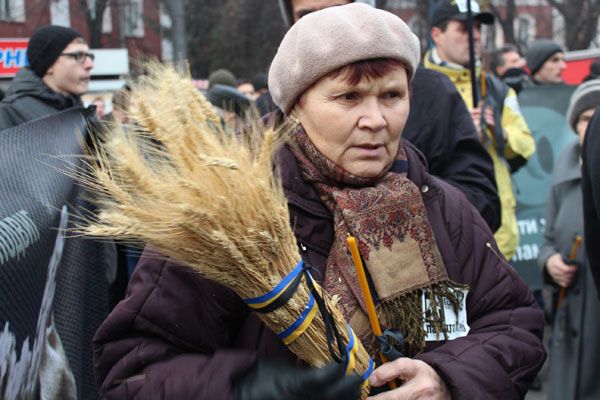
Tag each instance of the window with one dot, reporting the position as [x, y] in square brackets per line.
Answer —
[12, 10]
[133, 17]
[106, 15]
[107, 20]
[59, 13]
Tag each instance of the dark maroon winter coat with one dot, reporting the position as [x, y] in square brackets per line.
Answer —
[178, 336]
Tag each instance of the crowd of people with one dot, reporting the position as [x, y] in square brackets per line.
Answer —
[411, 154]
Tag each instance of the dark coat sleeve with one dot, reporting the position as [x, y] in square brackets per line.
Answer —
[591, 195]
[503, 351]
[171, 338]
[10, 116]
[440, 126]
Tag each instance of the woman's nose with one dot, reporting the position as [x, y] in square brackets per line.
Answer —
[371, 116]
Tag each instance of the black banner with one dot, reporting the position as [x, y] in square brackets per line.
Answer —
[33, 190]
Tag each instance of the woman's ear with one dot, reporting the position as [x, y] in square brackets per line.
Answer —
[294, 115]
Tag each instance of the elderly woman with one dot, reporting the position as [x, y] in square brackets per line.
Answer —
[575, 342]
[342, 78]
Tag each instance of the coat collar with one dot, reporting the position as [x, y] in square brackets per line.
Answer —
[27, 83]
[456, 73]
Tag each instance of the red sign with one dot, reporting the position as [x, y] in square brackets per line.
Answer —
[577, 70]
[578, 65]
[13, 56]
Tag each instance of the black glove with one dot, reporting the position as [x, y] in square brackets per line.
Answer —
[273, 381]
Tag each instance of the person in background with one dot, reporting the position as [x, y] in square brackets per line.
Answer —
[223, 77]
[259, 81]
[498, 119]
[439, 125]
[594, 71]
[120, 106]
[344, 170]
[546, 62]
[58, 75]
[575, 342]
[508, 65]
[505, 58]
[230, 103]
[100, 107]
[263, 103]
[245, 87]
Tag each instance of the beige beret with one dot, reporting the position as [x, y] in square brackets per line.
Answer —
[328, 39]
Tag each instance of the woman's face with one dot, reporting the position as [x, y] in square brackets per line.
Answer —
[583, 122]
[357, 126]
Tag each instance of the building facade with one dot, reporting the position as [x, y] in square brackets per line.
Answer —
[131, 24]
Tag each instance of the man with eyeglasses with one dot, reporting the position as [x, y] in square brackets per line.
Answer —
[59, 70]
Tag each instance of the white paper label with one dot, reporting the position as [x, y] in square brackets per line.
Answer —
[456, 325]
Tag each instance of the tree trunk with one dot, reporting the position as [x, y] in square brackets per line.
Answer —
[94, 17]
[581, 18]
[508, 22]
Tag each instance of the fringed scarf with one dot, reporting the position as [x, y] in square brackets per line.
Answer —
[387, 216]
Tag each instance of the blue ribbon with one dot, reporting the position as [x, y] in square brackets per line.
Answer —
[266, 299]
[299, 325]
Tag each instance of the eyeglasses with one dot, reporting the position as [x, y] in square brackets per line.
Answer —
[80, 56]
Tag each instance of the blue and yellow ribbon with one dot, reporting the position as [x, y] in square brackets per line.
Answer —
[258, 303]
[351, 350]
[299, 326]
[269, 302]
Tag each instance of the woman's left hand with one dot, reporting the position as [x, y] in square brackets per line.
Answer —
[420, 381]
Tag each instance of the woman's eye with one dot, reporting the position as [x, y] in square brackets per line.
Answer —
[350, 96]
[392, 95]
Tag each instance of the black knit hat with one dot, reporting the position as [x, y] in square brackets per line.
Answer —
[457, 11]
[540, 51]
[594, 71]
[45, 46]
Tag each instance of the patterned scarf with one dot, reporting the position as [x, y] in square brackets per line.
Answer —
[387, 216]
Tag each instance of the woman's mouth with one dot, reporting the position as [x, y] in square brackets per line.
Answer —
[369, 150]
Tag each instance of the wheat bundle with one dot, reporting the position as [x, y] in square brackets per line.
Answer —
[200, 194]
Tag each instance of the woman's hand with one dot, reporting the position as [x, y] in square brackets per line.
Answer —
[420, 381]
[560, 272]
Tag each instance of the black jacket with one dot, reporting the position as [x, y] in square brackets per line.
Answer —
[29, 98]
[591, 195]
[440, 126]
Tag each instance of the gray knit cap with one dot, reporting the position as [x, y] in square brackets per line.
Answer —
[328, 39]
[586, 96]
[540, 51]
[221, 76]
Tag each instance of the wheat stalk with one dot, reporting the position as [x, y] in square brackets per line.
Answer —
[207, 197]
